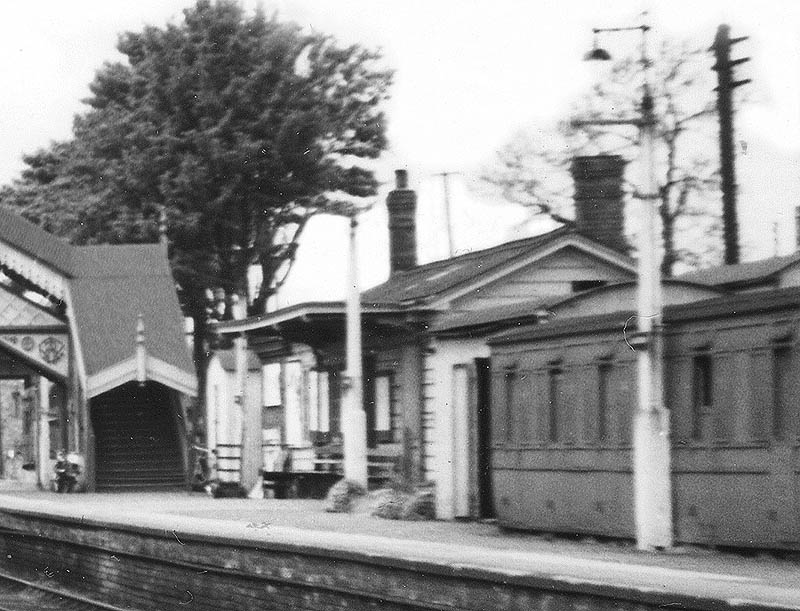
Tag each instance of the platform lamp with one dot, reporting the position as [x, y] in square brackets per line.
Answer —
[354, 418]
[651, 442]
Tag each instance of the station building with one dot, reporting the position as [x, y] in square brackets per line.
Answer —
[425, 351]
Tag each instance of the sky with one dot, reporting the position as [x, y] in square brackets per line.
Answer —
[469, 74]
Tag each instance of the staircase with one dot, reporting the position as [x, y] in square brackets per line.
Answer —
[136, 442]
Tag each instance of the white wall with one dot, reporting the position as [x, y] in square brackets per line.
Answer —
[452, 451]
[294, 405]
[223, 413]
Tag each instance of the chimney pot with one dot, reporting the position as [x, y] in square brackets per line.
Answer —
[599, 199]
[401, 179]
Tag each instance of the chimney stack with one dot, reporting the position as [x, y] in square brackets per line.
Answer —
[402, 206]
[599, 199]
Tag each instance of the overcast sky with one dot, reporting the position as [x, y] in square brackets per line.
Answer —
[468, 75]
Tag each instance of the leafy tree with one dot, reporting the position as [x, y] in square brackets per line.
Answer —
[238, 127]
[532, 168]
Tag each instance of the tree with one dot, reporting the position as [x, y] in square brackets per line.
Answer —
[239, 128]
[532, 168]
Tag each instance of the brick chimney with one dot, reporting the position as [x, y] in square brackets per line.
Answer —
[599, 199]
[402, 205]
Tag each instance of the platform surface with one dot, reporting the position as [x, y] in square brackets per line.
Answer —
[742, 579]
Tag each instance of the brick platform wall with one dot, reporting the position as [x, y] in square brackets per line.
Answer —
[150, 569]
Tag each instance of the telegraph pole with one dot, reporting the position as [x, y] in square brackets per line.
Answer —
[725, 85]
[448, 220]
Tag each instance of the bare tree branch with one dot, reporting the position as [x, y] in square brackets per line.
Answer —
[532, 168]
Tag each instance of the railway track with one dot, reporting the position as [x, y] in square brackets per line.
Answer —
[22, 595]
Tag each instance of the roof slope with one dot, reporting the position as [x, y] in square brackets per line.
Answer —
[741, 273]
[414, 289]
[431, 279]
[35, 241]
[114, 285]
[737, 304]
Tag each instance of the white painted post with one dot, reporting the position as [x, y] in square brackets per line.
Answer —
[354, 419]
[43, 433]
[250, 464]
[651, 436]
[141, 352]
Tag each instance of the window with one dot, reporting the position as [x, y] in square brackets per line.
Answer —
[334, 402]
[383, 408]
[604, 376]
[271, 375]
[702, 390]
[510, 379]
[54, 432]
[323, 402]
[319, 406]
[781, 363]
[554, 390]
[313, 401]
[292, 416]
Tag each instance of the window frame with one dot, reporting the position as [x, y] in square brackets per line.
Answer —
[555, 373]
[384, 435]
[702, 390]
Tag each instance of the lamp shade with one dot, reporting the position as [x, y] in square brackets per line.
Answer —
[597, 54]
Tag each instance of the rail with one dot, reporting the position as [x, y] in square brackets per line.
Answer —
[18, 594]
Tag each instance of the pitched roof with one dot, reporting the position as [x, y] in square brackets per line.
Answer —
[419, 287]
[114, 285]
[110, 286]
[432, 279]
[741, 273]
[35, 241]
[107, 260]
[419, 284]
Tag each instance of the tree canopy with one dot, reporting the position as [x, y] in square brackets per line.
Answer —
[237, 127]
[532, 168]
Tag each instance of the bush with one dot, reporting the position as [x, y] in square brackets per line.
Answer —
[340, 496]
[398, 504]
[421, 505]
[389, 504]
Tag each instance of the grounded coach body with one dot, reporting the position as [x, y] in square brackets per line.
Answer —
[563, 396]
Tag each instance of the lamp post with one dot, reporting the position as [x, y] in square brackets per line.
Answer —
[651, 441]
[354, 418]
